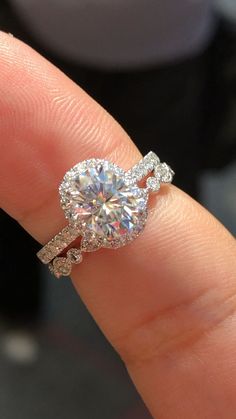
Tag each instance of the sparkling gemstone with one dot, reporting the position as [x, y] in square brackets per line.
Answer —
[61, 266]
[153, 183]
[99, 199]
[165, 172]
[74, 255]
[90, 242]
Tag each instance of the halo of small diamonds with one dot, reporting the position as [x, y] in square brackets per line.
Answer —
[96, 199]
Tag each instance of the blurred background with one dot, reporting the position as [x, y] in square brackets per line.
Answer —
[167, 72]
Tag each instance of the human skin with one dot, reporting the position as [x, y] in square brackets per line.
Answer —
[167, 301]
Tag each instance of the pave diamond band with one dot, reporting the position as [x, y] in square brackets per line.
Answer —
[105, 207]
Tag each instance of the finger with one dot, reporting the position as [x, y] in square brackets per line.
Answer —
[166, 301]
[49, 119]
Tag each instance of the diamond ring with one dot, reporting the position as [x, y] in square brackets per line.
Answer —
[105, 207]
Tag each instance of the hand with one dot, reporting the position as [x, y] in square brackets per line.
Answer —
[167, 301]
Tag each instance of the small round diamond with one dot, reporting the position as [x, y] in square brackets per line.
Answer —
[153, 183]
[99, 200]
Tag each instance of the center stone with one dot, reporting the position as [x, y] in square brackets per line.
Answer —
[100, 198]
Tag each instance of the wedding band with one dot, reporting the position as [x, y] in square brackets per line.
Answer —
[105, 207]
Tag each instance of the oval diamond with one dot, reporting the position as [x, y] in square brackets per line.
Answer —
[100, 201]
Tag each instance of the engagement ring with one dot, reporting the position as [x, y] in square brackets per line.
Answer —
[105, 207]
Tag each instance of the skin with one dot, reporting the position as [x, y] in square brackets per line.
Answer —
[167, 301]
